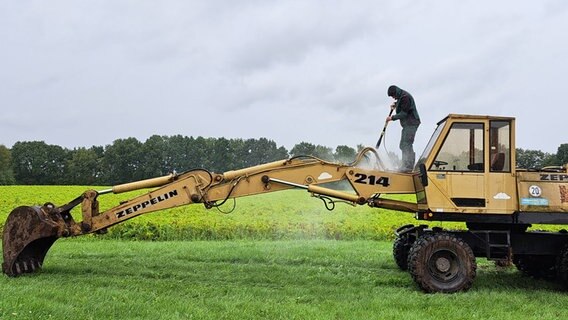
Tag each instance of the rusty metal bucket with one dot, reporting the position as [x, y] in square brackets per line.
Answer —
[29, 232]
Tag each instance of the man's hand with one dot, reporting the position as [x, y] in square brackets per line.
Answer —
[392, 106]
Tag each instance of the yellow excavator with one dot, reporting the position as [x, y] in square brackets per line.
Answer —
[466, 173]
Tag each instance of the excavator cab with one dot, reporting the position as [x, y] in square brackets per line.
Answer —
[469, 164]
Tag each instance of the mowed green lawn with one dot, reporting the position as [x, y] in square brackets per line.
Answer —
[276, 256]
[292, 279]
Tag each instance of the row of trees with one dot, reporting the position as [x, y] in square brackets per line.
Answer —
[539, 159]
[35, 162]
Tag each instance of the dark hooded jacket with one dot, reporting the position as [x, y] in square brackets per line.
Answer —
[405, 108]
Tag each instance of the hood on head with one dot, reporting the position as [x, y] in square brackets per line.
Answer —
[394, 91]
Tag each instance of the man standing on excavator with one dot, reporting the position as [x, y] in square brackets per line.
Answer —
[409, 120]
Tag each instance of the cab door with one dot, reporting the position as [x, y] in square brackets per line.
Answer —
[457, 172]
[501, 190]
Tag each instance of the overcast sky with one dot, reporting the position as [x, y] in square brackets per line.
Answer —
[83, 73]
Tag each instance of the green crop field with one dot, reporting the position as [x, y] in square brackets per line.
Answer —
[290, 214]
[279, 259]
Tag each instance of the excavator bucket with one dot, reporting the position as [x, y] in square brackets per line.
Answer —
[29, 232]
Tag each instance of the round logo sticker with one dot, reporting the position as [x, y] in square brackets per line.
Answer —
[535, 191]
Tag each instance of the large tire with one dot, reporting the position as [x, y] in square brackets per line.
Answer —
[562, 267]
[400, 248]
[442, 262]
[538, 267]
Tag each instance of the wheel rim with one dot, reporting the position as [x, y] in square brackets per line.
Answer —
[444, 265]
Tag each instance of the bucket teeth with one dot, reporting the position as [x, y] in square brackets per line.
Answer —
[34, 265]
[29, 266]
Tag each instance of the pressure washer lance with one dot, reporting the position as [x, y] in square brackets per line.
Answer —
[385, 128]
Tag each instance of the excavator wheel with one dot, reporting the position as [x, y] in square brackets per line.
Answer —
[400, 248]
[442, 262]
[538, 267]
[562, 267]
[28, 234]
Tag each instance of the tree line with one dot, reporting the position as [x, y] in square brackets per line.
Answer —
[537, 159]
[39, 163]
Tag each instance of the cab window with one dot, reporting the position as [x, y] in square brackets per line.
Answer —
[500, 144]
[462, 149]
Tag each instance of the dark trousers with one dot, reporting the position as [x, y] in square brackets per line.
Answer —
[406, 142]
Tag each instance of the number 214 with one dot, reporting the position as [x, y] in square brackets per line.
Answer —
[372, 180]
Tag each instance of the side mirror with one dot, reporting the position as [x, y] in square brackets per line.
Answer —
[423, 174]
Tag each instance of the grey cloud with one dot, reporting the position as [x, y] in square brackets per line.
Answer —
[288, 70]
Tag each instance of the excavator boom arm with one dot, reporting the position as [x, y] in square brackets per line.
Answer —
[26, 244]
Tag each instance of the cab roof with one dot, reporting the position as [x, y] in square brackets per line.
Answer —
[473, 117]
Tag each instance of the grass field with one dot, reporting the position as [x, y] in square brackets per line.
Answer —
[293, 279]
